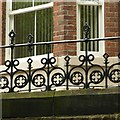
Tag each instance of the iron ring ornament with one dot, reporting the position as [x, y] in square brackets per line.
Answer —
[58, 79]
[38, 80]
[96, 77]
[114, 75]
[7, 64]
[12, 34]
[76, 78]
[20, 81]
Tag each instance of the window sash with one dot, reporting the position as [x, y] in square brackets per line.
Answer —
[101, 27]
[31, 9]
[90, 2]
[32, 13]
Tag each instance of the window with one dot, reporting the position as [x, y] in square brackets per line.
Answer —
[30, 17]
[92, 13]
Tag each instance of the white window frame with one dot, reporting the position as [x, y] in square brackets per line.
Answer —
[101, 27]
[10, 21]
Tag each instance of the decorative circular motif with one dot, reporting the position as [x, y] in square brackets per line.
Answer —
[106, 55]
[3, 82]
[91, 57]
[114, 76]
[16, 62]
[96, 77]
[44, 61]
[29, 61]
[58, 79]
[82, 58]
[67, 58]
[76, 78]
[20, 81]
[7, 63]
[52, 60]
[38, 80]
[12, 34]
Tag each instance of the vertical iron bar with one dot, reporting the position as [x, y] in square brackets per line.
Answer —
[106, 69]
[30, 41]
[86, 63]
[86, 30]
[29, 76]
[48, 67]
[67, 77]
[106, 74]
[67, 59]
[12, 37]
[12, 64]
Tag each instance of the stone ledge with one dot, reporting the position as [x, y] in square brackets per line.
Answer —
[60, 93]
[61, 103]
[88, 117]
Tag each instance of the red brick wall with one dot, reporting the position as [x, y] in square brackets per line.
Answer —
[112, 27]
[2, 30]
[64, 27]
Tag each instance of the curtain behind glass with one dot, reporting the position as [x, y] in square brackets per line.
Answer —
[44, 29]
[23, 25]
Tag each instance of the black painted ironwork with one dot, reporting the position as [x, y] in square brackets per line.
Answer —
[50, 76]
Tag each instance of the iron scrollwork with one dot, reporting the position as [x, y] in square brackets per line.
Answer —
[48, 75]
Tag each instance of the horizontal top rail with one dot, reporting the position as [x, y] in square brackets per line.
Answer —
[59, 42]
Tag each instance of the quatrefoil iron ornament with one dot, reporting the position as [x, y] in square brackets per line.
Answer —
[76, 78]
[58, 79]
[114, 76]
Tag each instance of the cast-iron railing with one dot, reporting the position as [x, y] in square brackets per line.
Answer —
[50, 76]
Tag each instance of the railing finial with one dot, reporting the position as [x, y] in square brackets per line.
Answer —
[12, 35]
[30, 41]
[86, 30]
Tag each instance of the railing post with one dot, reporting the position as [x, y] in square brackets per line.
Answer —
[48, 67]
[12, 37]
[86, 30]
[29, 76]
[67, 59]
[30, 37]
[106, 69]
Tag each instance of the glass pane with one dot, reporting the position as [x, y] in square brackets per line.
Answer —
[44, 26]
[40, 2]
[23, 26]
[90, 15]
[19, 5]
